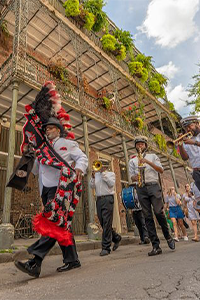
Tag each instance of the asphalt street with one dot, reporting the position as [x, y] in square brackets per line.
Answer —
[127, 273]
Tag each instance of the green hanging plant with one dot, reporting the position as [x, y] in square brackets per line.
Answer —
[107, 104]
[72, 8]
[95, 7]
[160, 78]
[57, 69]
[137, 69]
[135, 116]
[156, 88]
[120, 52]
[108, 42]
[89, 20]
[145, 60]
[170, 105]
[139, 123]
[156, 85]
[125, 38]
[161, 142]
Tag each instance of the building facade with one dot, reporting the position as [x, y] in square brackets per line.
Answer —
[40, 38]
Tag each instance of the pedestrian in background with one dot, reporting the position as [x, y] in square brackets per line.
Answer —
[173, 203]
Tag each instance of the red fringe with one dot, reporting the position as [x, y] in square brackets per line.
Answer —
[47, 228]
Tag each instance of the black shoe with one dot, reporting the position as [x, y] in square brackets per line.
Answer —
[104, 252]
[146, 240]
[141, 243]
[116, 244]
[29, 267]
[171, 243]
[69, 266]
[155, 251]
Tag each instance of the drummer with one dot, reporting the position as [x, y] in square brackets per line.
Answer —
[144, 170]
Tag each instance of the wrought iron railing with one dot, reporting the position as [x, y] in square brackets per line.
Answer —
[35, 73]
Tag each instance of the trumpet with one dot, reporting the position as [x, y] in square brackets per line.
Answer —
[97, 165]
[171, 144]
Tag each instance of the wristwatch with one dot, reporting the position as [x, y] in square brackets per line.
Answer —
[196, 143]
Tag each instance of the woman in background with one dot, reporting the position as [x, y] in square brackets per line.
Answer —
[193, 216]
[173, 203]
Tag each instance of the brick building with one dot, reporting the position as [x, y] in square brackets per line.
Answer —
[40, 33]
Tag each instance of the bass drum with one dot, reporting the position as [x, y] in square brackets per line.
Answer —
[128, 197]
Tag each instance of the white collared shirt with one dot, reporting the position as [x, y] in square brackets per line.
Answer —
[103, 183]
[150, 174]
[70, 152]
[193, 152]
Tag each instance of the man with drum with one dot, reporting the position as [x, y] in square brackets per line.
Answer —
[103, 182]
[144, 171]
[190, 148]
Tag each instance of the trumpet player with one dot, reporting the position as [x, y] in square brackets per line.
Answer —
[103, 182]
[190, 148]
[144, 171]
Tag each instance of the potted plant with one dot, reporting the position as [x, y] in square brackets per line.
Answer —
[77, 11]
[107, 104]
[110, 44]
[125, 38]
[107, 99]
[136, 68]
[95, 7]
[135, 116]
[145, 60]
[156, 85]
[161, 142]
[72, 8]
[56, 68]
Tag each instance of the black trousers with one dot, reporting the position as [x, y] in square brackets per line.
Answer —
[150, 196]
[140, 223]
[105, 205]
[196, 177]
[45, 243]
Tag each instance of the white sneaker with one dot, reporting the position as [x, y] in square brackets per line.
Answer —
[176, 239]
[185, 238]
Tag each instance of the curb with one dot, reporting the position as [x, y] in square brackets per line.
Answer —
[81, 246]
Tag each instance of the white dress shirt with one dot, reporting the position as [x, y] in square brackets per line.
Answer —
[150, 174]
[193, 152]
[70, 152]
[103, 183]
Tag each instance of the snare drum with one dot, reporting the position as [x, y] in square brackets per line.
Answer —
[128, 197]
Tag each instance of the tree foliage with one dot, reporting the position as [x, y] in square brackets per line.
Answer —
[194, 92]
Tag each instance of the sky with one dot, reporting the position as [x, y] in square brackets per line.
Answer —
[169, 31]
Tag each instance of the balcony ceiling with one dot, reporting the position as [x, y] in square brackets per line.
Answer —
[49, 39]
[101, 138]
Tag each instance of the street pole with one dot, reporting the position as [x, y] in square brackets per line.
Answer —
[92, 229]
[7, 229]
[187, 175]
[173, 175]
[126, 158]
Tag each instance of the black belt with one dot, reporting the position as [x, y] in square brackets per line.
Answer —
[101, 197]
[150, 183]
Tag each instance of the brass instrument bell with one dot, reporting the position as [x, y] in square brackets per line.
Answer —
[171, 144]
[98, 164]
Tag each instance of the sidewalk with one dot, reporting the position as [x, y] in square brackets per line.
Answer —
[19, 251]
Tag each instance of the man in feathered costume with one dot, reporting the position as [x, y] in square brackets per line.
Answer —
[60, 164]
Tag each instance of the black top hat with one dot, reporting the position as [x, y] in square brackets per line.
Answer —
[54, 121]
